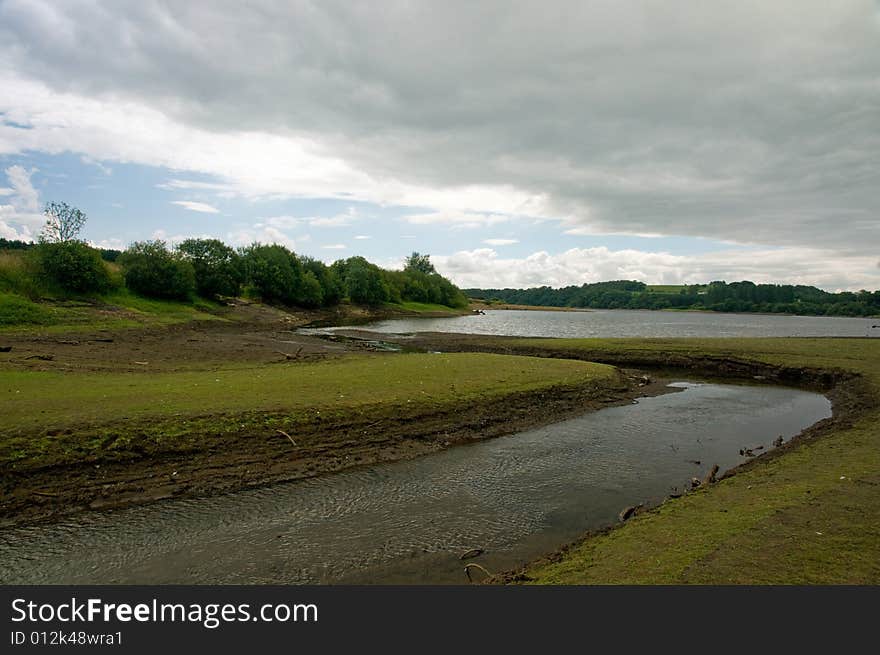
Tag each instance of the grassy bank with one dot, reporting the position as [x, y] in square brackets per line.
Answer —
[53, 418]
[118, 310]
[809, 515]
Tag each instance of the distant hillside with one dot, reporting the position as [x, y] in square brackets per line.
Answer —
[742, 296]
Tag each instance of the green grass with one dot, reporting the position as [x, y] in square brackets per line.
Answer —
[117, 310]
[37, 406]
[811, 515]
[27, 301]
[17, 311]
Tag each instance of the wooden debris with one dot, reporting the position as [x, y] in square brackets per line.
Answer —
[288, 356]
[627, 512]
[468, 567]
[710, 476]
[286, 435]
[473, 552]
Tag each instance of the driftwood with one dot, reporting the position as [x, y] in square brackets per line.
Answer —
[286, 435]
[288, 356]
[627, 512]
[45, 358]
[710, 476]
[473, 552]
[468, 567]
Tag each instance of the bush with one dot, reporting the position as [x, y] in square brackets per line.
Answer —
[272, 273]
[331, 286]
[218, 267]
[365, 283]
[73, 266]
[152, 270]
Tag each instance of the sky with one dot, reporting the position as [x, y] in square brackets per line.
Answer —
[517, 143]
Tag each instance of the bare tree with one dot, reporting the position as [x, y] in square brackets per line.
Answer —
[63, 222]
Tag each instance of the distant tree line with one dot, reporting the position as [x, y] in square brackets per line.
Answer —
[212, 269]
[717, 296]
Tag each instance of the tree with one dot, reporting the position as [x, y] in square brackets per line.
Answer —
[73, 266]
[218, 267]
[152, 270]
[63, 223]
[364, 282]
[420, 263]
[272, 272]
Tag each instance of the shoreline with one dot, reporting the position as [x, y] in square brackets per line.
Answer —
[844, 369]
[56, 492]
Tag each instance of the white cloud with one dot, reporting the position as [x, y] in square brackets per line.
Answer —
[335, 246]
[201, 207]
[106, 170]
[500, 242]
[284, 222]
[362, 237]
[265, 234]
[460, 219]
[174, 239]
[737, 120]
[20, 218]
[484, 268]
[330, 221]
[109, 244]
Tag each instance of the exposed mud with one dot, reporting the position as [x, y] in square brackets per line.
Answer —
[242, 333]
[246, 460]
[332, 445]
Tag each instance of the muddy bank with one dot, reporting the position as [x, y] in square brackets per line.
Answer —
[851, 394]
[245, 332]
[380, 434]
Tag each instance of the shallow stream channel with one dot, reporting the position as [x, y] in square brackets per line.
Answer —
[514, 497]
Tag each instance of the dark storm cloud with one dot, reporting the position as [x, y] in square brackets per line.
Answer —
[755, 122]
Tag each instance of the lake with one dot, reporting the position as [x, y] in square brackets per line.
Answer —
[634, 323]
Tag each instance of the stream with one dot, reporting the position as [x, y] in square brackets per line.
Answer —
[515, 497]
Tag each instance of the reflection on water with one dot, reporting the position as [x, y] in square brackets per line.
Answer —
[606, 323]
[516, 497]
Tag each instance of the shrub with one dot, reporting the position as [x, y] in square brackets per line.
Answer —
[73, 266]
[272, 272]
[364, 282]
[218, 268]
[152, 270]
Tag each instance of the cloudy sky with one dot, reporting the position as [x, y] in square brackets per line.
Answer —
[519, 143]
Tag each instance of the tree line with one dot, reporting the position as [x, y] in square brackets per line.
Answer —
[212, 269]
[717, 296]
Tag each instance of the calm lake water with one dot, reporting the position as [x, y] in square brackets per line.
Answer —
[517, 497]
[635, 323]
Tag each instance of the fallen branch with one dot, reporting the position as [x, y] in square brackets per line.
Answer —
[468, 567]
[710, 476]
[286, 435]
[288, 356]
